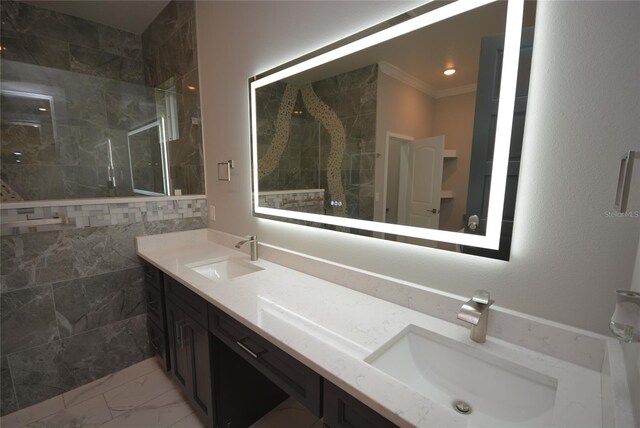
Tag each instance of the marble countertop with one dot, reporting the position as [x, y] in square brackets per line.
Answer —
[332, 329]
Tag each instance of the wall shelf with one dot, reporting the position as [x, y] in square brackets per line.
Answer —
[446, 194]
[450, 154]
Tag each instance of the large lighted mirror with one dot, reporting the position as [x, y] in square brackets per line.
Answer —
[410, 131]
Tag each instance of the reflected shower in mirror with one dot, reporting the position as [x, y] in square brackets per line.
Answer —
[74, 105]
[390, 133]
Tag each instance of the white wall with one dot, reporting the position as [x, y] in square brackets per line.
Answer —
[567, 256]
[403, 110]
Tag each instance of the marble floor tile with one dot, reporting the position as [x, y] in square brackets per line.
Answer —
[139, 396]
[290, 414]
[88, 414]
[137, 392]
[190, 421]
[102, 385]
[32, 413]
[162, 411]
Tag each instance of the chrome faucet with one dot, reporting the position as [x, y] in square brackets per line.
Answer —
[253, 240]
[476, 313]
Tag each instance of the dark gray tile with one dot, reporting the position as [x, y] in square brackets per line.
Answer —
[99, 250]
[46, 257]
[188, 178]
[25, 256]
[8, 402]
[95, 62]
[28, 319]
[34, 182]
[35, 145]
[87, 303]
[46, 52]
[45, 23]
[88, 115]
[178, 54]
[120, 43]
[176, 225]
[128, 110]
[46, 371]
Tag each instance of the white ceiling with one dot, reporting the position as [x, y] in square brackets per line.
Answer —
[425, 53]
[133, 16]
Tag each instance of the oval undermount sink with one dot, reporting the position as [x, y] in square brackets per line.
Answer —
[490, 391]
[223, 269]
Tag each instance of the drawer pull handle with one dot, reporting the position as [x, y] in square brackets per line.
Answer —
[247, 350]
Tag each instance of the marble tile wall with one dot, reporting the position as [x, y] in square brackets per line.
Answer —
[51, 39]
[352, 96]
[89, 80]
[170, 55]
[72, 306]
[71, 295]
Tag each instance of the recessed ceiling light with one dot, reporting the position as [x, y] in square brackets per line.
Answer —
[449, 71]
[42, 109]
[191, 87]
[17, 153]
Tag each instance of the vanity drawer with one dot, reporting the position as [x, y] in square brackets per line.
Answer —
[191, 303]
[158, 342]
[154, 305]
[152, 275]
[296, 379]
[342, 410]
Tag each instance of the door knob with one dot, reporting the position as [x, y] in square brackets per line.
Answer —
[434, 211]
[473, 223]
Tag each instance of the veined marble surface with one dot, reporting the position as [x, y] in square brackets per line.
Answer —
[332, 329]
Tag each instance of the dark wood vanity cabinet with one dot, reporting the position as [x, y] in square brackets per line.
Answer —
[295, 378]
[232, 375]
[156, 313]
[191, 356]
[225, 390]
[342, 410]
[190, 347]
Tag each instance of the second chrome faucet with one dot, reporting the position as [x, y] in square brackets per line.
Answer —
[253, 241]
[476, 313]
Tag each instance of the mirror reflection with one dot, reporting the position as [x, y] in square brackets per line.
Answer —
[90, 111]
[387, 133]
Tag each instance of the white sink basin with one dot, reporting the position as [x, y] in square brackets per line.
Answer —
[499, 392]
[224, 268]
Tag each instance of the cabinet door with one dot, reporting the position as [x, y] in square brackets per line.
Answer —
[342, 410]
[197, 343]
[176, 320]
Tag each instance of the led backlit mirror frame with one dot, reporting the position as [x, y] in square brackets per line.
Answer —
[491, 239]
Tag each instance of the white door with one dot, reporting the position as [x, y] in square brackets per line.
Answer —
[422, 205]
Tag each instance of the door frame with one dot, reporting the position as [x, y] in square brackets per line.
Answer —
[403, 139]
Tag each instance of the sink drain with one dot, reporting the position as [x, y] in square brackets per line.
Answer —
[462, 407]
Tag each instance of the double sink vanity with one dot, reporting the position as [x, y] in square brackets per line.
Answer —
[240, 336]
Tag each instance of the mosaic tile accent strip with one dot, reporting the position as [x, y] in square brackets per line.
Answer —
[308, 201]
[96, 215]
